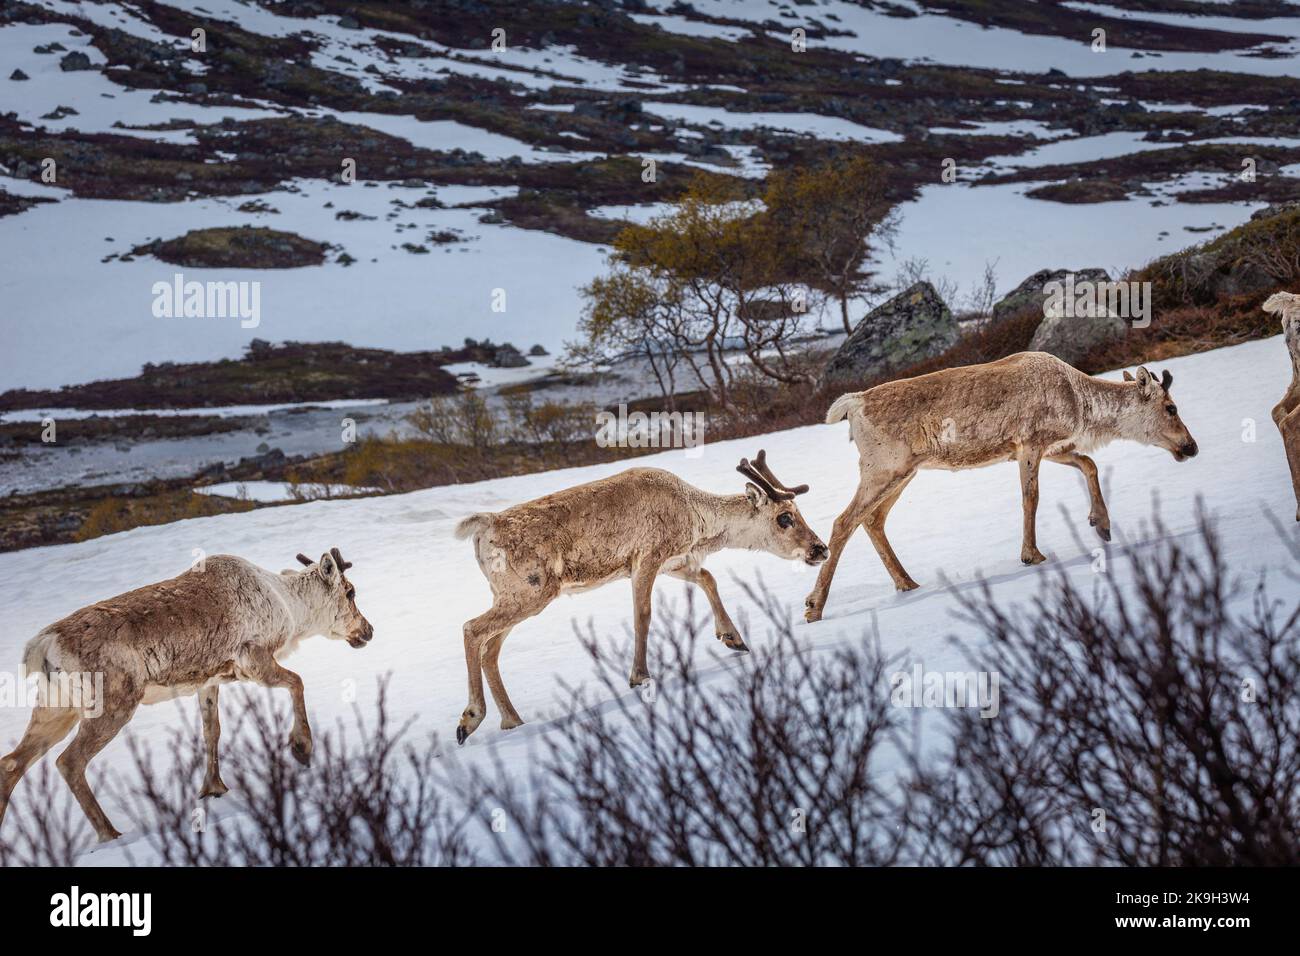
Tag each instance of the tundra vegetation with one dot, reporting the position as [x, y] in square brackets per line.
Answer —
[1131, 701]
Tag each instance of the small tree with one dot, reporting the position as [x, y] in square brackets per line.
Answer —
[822, 217]
[706, 278]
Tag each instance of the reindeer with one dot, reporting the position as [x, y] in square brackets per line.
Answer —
[1285, 414]
[221, 621]
[637, 524]
[1026, 408]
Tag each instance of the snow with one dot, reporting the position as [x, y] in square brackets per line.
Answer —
[270, 491]
[823, 127]
[941, 39]
[691, 28]
[220, 411]
[102, 325]
[446, 135]
[417, 585]
[100, 104]
[949, 226]
[1084, 149]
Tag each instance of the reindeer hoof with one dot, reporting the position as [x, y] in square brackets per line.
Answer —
[462, 735]
[301, 751]
[507, 723]
[908, 585]
[734, 641]
[214, 789]
[109, 835]
[1036, 558]
[812, 610]
[637, 679]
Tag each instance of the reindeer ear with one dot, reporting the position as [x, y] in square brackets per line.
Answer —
[1144, 380]
[1128, 376]
[327, 567]
[754, 494]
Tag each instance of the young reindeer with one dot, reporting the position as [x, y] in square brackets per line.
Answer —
[1028, 408]
[640, 523]
[223, 621]
[1286, 415]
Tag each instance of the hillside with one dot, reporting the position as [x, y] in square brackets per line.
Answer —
[418, 585]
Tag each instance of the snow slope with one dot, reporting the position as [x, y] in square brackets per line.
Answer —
[418, 585]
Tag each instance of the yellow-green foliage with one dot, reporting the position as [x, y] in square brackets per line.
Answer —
[121, 514]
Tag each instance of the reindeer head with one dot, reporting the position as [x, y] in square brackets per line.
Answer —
[1153, 418]
[341, 619]
[777, 526]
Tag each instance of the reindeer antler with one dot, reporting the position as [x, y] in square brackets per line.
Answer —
[306, 561]
[761, 475]
[338, 559]
[1166, 379]
[760, 463]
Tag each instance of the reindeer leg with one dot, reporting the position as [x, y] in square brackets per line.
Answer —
[1098, 515]
[1029, 461]
[510, 718]
[875, 528]
[868, 496]
[260, 666]
[484, 636]
[723, 626]
[93, 736]
[1289, 426]
[48, 725]
[643, 582]
[212, 783]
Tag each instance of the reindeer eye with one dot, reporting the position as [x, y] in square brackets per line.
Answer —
[784, 519]
[352, 593]
[1172, 409]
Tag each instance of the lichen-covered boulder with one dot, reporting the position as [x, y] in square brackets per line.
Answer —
[1033, 294]
[1073, 305]
[912, 326]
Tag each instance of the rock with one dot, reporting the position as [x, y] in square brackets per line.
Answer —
[538, 350]
[912, 326]
[1067, 333]
[19, 75]
[1268, 212]
[508, 357]
[1032, 294]
[75, 61]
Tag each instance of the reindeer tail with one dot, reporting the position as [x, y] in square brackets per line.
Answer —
[841, 407]
[34, 655]
[1280, 302]
[473, 526]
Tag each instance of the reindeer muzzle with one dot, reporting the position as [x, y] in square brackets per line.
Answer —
[362, 637]
[1187, 451]
[817, 554]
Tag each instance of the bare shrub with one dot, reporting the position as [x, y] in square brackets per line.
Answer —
[460, 419]
[1151, 723]
[44, 827]
[372, 801]
[769, 763]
